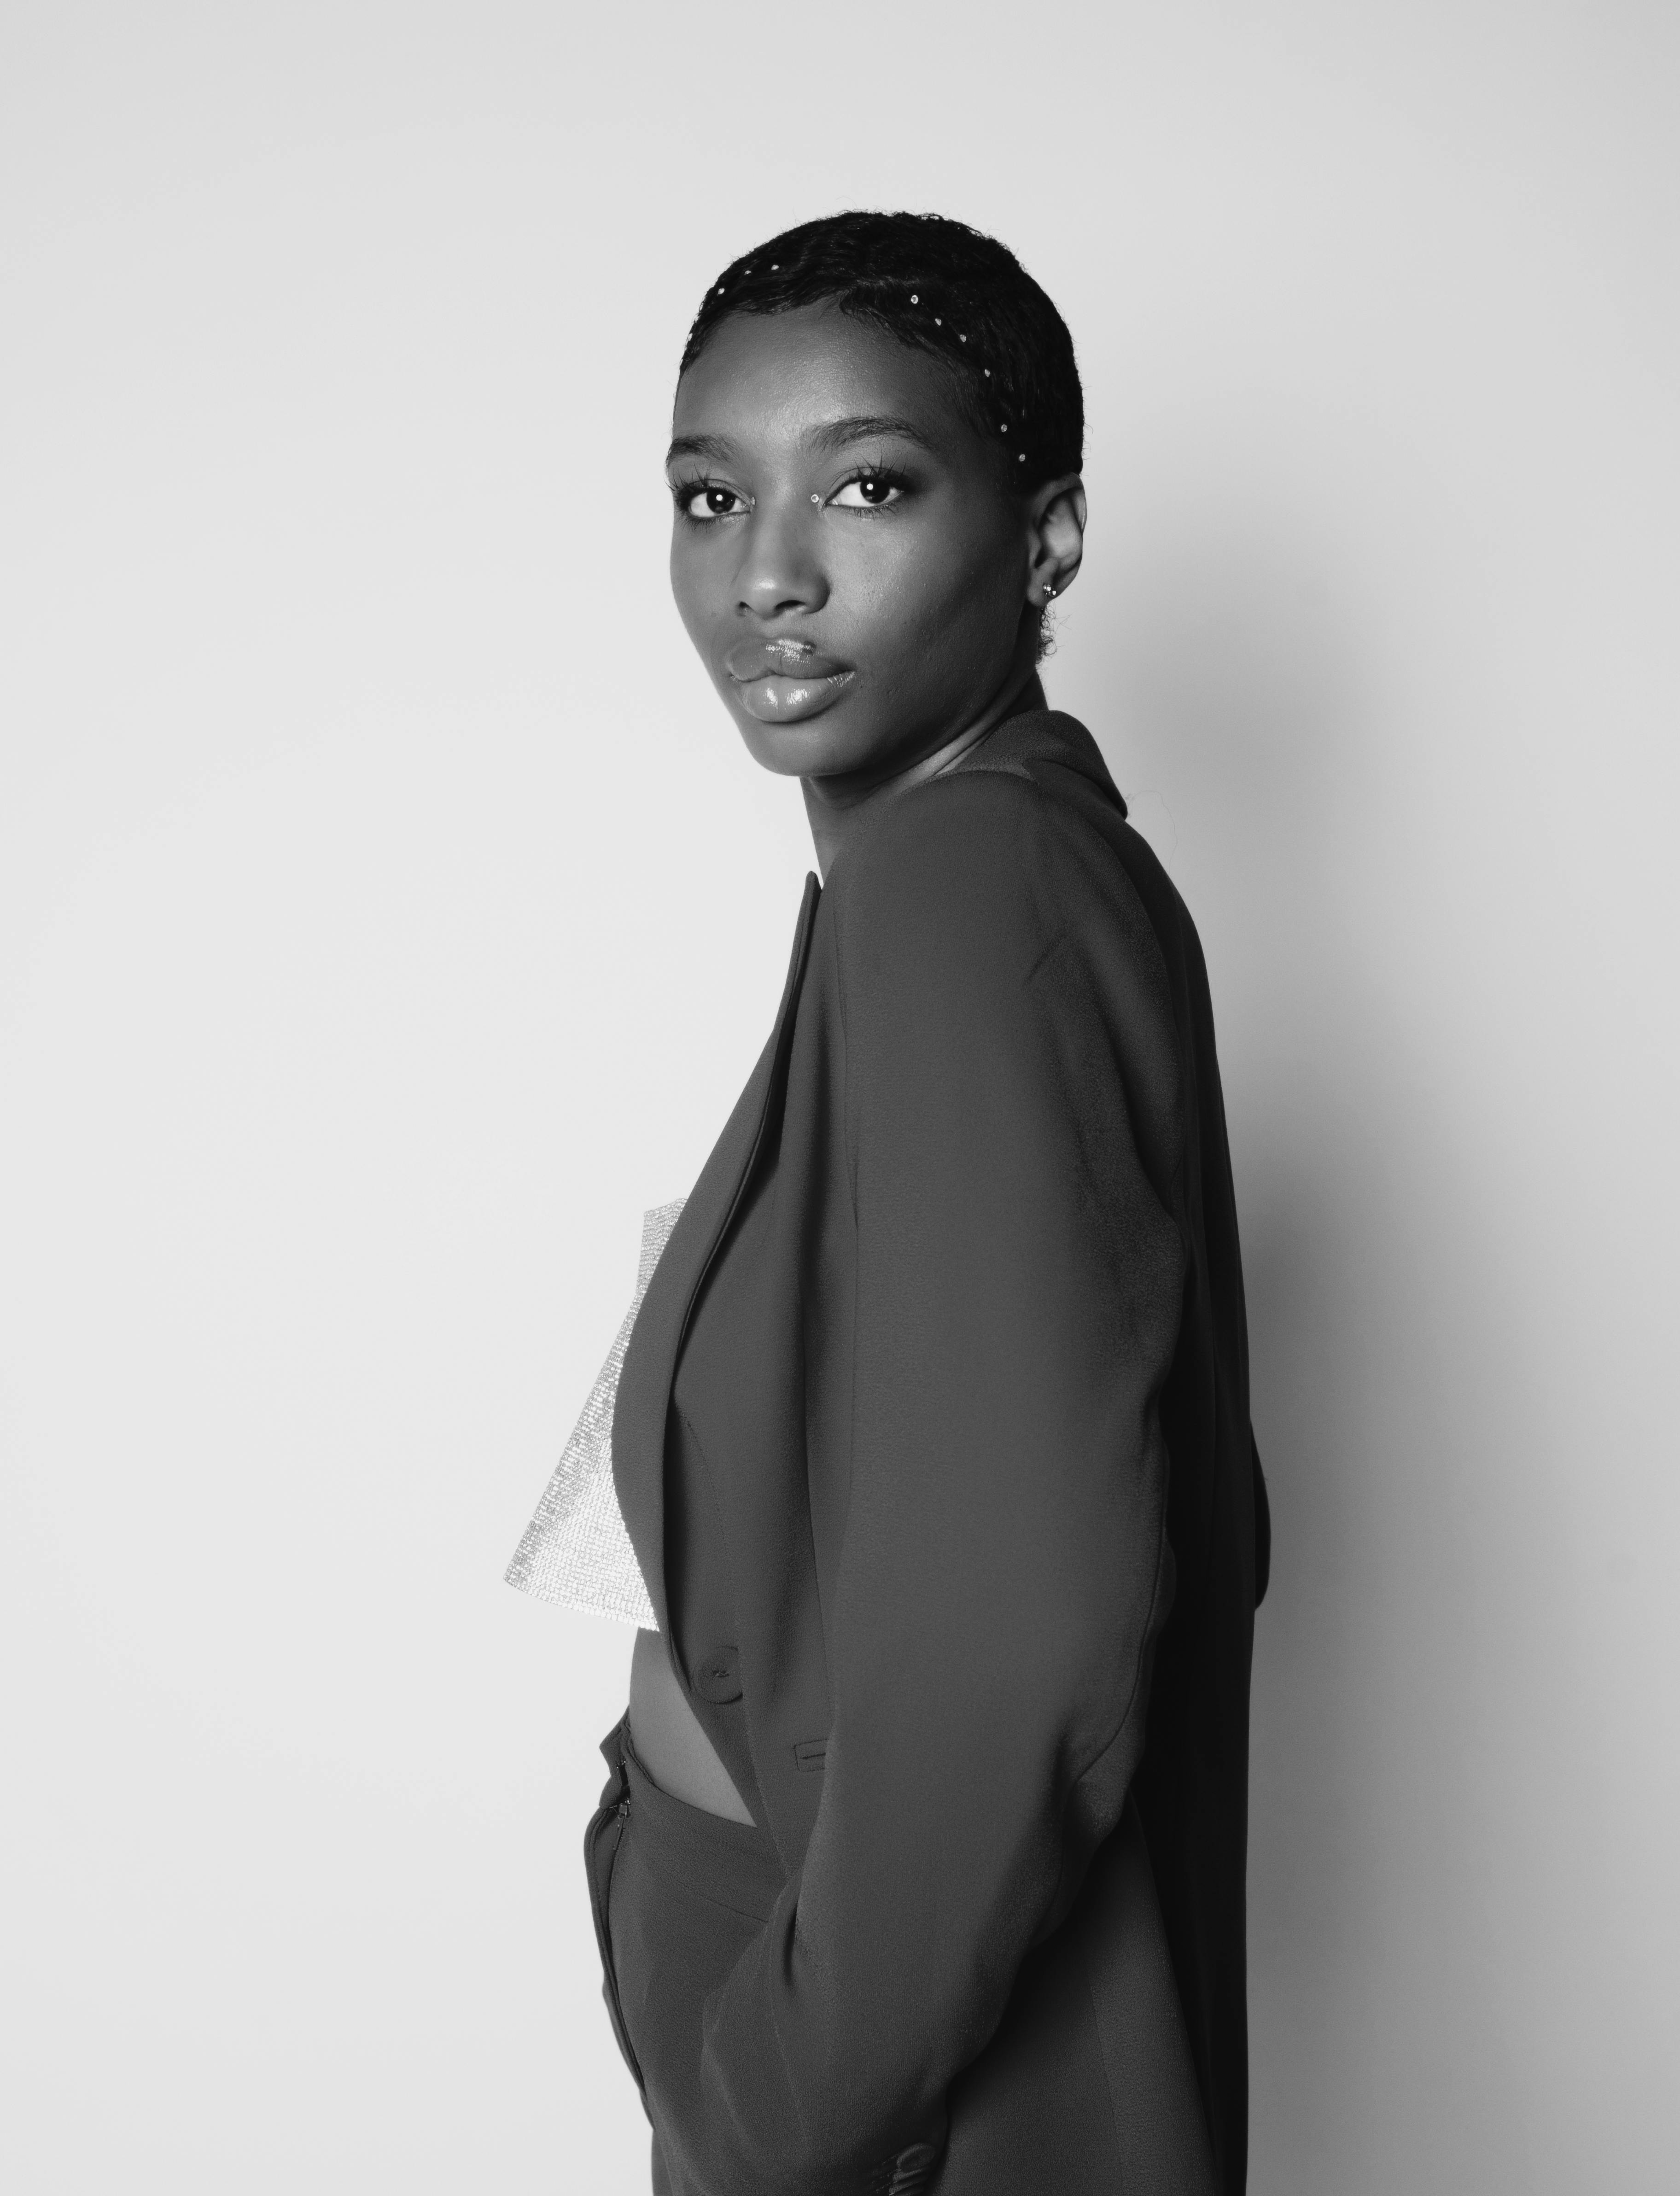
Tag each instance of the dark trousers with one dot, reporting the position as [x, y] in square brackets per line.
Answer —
[1086, 2089]
[679, 1894]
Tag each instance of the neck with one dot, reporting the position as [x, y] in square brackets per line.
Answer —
[839, 808]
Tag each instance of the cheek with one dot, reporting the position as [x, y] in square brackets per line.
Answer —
[941, 592]
[693, 585]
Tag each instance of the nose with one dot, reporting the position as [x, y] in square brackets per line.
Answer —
[780, 568]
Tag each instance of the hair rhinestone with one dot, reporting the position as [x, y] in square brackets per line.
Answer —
[915, 300]
[938, 322]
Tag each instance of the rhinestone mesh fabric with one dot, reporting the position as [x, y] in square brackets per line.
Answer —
[575, 1549]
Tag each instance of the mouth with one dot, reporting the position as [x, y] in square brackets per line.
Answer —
[783, 682]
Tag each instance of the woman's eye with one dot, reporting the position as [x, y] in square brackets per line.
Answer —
[869, 491]
[708, 502]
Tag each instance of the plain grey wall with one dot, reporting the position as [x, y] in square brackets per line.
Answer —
[365, 972]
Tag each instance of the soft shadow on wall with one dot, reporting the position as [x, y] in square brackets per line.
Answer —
[1248, 713]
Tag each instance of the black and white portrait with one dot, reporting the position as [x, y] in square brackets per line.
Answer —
[838, 1057]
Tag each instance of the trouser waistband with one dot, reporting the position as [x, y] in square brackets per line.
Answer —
[734, 1864]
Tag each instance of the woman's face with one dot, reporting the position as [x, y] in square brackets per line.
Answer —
[849, 555]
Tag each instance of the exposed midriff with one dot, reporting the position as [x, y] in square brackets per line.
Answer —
[675, 1749]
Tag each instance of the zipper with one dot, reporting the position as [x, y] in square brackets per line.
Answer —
[600, 1893]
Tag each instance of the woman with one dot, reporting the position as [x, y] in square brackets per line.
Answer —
[921, 1862]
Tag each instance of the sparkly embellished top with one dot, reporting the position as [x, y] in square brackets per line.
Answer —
[575, 1549]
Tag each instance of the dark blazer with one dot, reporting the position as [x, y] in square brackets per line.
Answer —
[932, 1440]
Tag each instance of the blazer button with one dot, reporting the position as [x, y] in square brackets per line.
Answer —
[717, 1676]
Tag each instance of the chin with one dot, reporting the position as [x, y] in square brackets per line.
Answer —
[816, 747]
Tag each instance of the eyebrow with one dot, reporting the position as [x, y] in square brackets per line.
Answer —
[698, 446]
[863, 425]
[835, 436]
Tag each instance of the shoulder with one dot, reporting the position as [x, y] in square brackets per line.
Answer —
[964, 866]
[991, 870]
[986, 917]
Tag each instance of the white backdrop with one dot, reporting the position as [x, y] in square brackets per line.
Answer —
[389, 915]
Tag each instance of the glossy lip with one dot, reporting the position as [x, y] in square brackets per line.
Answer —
[784, 681]
[781, 656]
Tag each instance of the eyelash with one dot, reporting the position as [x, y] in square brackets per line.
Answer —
[888, 476]
[684, 492]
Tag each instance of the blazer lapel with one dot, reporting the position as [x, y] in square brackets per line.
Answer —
[656, 1340]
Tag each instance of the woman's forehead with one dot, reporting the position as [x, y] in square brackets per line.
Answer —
[794, 377]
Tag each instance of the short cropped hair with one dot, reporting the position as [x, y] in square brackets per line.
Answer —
[940, 286]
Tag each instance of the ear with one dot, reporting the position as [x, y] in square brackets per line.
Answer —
[1055, 538]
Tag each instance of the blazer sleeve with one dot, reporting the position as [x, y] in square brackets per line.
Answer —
[1012, 1110]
